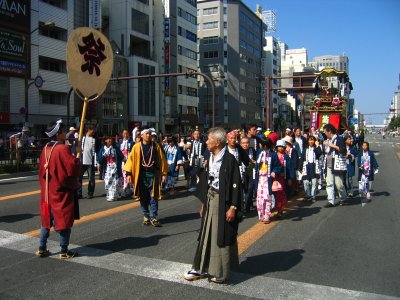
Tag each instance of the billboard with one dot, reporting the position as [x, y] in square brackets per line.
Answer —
[16, 15]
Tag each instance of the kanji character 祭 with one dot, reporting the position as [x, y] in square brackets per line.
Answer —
[93, 54]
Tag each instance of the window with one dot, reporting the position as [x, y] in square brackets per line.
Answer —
[209, 40]
[51, 64]
[191, 36]
[179, 49]
[225, 39]
[55, 98]
[225, 25]
[225, 113]
[210, 25]
[59, 3]
[180, 68]
[225, 11]
[211, 54]
[140, 22]
[179, 89]
[191, 2]
[187, 16]
[191, 91]
[225, 83]
[210, 11]
[53, 32]
[226, 98]
[179, 30]
[144, 1]
[4, 94]
[225, 53]
[191, 54]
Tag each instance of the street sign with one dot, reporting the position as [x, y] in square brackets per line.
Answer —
[353, 121]
[38, 81]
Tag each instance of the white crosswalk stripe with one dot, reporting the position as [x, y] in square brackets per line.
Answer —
[243, 284]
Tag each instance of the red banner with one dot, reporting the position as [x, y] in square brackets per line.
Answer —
[334, 119]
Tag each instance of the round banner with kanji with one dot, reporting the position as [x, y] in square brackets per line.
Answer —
[89, 62]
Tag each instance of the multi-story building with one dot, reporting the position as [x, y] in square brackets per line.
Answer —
[41, 29]
[338, 62]
[176, 52]
[277, 110]
[231, 41]
[131, 27]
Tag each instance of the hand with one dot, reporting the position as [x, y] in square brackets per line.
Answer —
[230, 215]
[164, 179]
[376, 171]
[202, 211]
[273, 174]
[129, 179]
[177, 168]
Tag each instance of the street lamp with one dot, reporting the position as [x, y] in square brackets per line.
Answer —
[28, 72]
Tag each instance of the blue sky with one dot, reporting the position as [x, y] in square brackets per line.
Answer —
[367, 31]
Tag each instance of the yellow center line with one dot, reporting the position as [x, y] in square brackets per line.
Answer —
[257, 231]
[94, 216]
[13, 196]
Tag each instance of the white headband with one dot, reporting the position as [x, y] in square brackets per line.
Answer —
[145, 131]
[56, 128]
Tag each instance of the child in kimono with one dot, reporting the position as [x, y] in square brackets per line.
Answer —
[174, 160]
[286, 175]
[311, 170]
[110, 158]
[268, 168]
[351, 164]
[125, 145]
[368, 166]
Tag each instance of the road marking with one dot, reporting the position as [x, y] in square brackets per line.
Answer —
[16, 178]
[242, 284]
[94, 216]
[13, 196]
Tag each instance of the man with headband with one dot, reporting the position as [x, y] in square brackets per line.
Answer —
[146, 167]
[59, 171]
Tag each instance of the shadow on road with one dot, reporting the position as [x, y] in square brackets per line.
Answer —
[271, 262]
[303, 212]
[16, 218]
[125, 243]
[386, 194]
[180, 218]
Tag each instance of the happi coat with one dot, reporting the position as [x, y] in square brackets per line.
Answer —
[64, 171]
[133, 164]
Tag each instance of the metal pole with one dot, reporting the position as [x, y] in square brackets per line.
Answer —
[68, 104]
[188, 74]
[268, 103]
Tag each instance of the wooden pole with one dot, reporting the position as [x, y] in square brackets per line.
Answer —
[81, 127]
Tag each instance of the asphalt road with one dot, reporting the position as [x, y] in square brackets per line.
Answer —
[345, 252]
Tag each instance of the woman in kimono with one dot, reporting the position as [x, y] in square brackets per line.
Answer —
[367, 167]
[125, 145]
[287, 174]
[311, 170]
[110, 158]
[174, 160]
[268, 168]
[351, 164]
[59, 172]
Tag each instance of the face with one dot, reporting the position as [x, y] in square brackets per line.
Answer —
[311, 142]
[196, 135]
[280, 149]
[212, 143]
[348, 141]
[245, 144]
[125, 134]
[137, 139]
[328, 134]
[108, 142]
[146, 137]
[253, 131]
[62, 136]
[312, 129]
[365, 147]
[297, 132]
[231, 141]
[287, 132]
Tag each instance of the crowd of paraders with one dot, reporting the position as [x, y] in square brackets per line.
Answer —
[231, 172]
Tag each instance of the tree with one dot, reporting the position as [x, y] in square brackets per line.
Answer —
[394, 123]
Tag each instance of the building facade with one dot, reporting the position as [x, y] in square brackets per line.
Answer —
[338, 62]
[231, 41]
